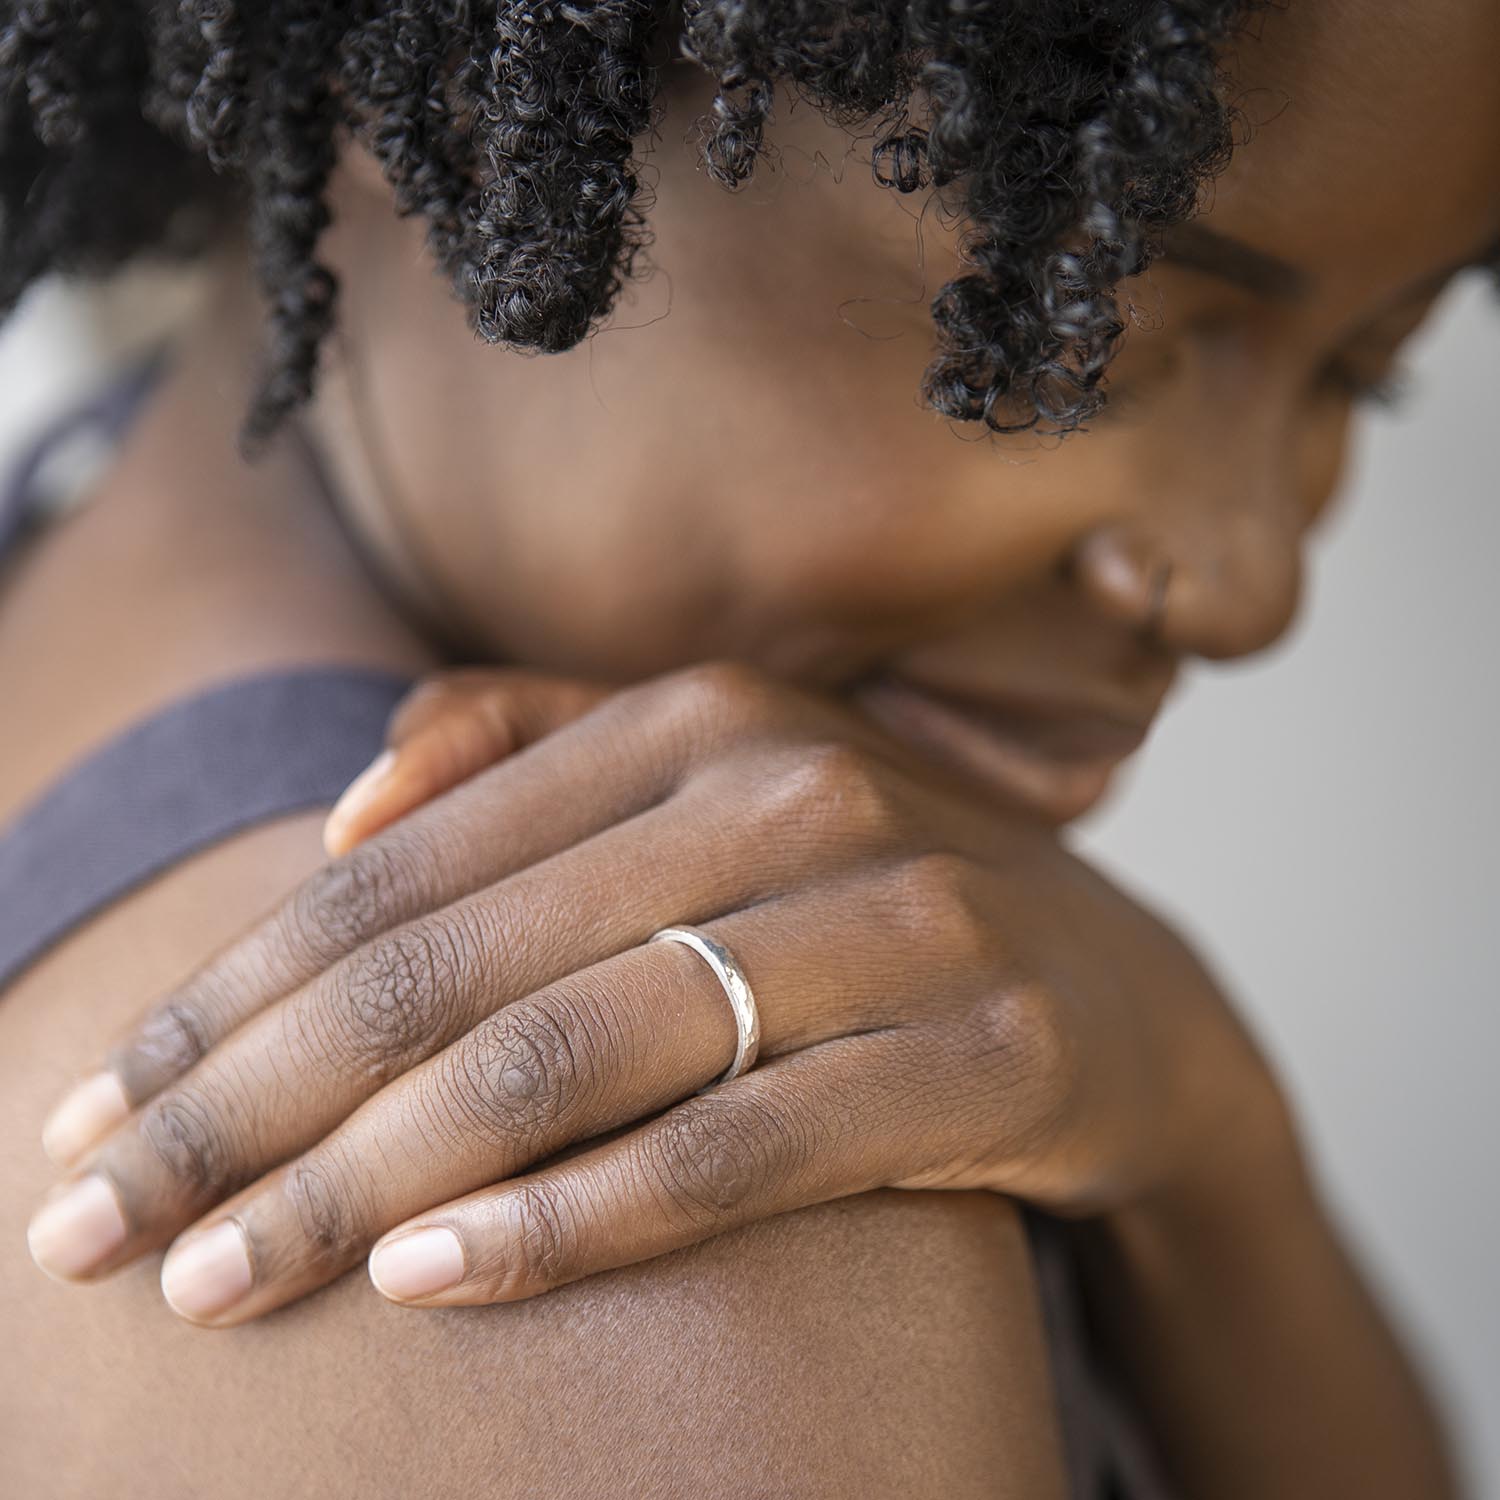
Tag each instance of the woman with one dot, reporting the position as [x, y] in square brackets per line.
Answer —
[455, 1049]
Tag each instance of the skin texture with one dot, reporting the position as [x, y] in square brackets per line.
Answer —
[116, 1396]
[889, 1343]
[1078, 574]
[405, 1029]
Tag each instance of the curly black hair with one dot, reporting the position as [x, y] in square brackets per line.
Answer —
[1066, 134]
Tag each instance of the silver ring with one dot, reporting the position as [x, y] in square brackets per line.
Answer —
[736, 987]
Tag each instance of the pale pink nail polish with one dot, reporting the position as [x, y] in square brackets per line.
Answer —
[77, 1229]
[86, 1115]
[417, 1264]
[354, 799]
[206, 1273]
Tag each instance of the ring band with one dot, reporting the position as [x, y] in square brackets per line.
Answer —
[736, 987]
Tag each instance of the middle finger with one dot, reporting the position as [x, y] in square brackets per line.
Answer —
[599, 1049]
[296, 1070]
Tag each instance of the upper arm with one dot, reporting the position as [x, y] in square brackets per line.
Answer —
[884, 1345]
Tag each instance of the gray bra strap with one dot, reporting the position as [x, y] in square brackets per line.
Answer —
[204, 768]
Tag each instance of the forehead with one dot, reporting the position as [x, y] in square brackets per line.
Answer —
[1375, 144]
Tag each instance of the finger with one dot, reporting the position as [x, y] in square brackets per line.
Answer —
[526, 704]
[592, 775]
[816, 806]
[299, 1068]
[597, 1050]
[447, 730]
[627, 754]
[822, 1123]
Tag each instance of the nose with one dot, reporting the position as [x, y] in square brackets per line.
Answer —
[1211, 582]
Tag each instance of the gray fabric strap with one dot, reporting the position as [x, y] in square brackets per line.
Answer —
[198, 771]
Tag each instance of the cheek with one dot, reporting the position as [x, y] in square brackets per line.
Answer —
[903, 548]
[816, 582]
[653, 582]
[614, 589]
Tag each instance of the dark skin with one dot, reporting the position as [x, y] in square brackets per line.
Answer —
[890, 1342]
[1070, 1051]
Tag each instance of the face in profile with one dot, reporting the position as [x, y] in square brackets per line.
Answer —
[739, 464]
[458, 1048]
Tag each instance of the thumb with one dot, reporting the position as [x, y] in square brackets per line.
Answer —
[447, 729]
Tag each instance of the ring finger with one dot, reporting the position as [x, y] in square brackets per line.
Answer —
[610, 1045]
[296, 1070]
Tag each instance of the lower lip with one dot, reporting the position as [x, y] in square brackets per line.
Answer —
[1015, 758]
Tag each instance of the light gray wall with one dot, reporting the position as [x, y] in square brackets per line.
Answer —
[1326, 821]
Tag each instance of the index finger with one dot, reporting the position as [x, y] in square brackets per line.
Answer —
[446, 731]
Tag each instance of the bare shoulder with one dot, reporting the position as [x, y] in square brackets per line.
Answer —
[887, 1345]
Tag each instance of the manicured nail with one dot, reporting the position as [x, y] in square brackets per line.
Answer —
[86, 1115]
[77, 1229]
[356, 797]
[206, 1273]
[417, 1264]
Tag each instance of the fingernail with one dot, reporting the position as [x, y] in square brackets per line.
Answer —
[206, 1273]
[87, 1114]
[420, 1263]
[78, 1229]
[356, 797]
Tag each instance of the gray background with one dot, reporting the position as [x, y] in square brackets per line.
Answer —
[1324, 820]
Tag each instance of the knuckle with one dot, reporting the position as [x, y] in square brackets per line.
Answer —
[936, 899]
[837, 785]
[933, 880]
[324, 1211]
[400, 995]
[172, 1039]
[519, 1073]
[348, 902]
[1016, 1034]
[542, 1241]
[710, 1160]
[185, 1135]
[720, 698]
[723, 682]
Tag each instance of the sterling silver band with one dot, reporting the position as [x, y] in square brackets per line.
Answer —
[736, 987]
